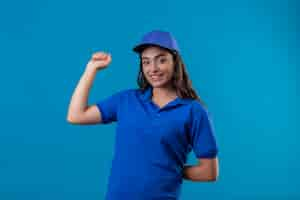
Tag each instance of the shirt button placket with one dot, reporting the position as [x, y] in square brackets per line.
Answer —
[157, 114]
[156, 118]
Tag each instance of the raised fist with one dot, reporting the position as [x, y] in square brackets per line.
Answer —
[99, 60]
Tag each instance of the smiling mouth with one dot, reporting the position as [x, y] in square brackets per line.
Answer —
[156, 77]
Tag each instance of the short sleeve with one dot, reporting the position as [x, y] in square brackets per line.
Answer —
[202, 133]
[109, 107]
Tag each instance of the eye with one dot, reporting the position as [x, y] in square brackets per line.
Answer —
[145, 62]
[162, 60]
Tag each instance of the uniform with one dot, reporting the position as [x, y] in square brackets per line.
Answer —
[152, 143]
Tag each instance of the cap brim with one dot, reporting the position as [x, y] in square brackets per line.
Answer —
[139, 48]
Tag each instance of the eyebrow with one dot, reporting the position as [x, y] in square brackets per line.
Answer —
[158, 55]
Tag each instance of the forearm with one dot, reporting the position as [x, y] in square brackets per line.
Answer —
[198, 173]
[79, 99]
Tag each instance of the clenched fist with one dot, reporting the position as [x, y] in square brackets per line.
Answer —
[99, 60]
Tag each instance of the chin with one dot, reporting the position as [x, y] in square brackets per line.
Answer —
[158, 84]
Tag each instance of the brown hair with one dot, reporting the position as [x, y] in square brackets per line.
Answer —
[180, 80]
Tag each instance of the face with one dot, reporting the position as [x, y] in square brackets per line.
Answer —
[157, 66]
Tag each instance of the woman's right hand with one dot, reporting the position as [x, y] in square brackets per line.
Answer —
[99, 60]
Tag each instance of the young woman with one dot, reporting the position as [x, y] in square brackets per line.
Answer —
[158, 124]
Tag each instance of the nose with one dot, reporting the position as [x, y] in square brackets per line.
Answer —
[154, 66]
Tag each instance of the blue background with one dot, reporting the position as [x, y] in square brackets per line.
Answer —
[242, 57]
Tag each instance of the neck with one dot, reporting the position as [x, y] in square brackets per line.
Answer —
[163, 93]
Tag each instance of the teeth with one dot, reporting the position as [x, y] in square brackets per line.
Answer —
[155, 76]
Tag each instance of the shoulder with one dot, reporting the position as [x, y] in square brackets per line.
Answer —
[196, 105]
[128, 94]
[198, 109]
[200, 115]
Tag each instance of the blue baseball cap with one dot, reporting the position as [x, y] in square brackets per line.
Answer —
[159, 38]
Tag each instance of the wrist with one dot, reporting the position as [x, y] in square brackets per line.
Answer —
[90, 70]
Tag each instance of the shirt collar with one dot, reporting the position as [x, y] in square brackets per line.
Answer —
[147, 94]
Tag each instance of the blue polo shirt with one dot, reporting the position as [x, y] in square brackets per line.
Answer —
[152, 143]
